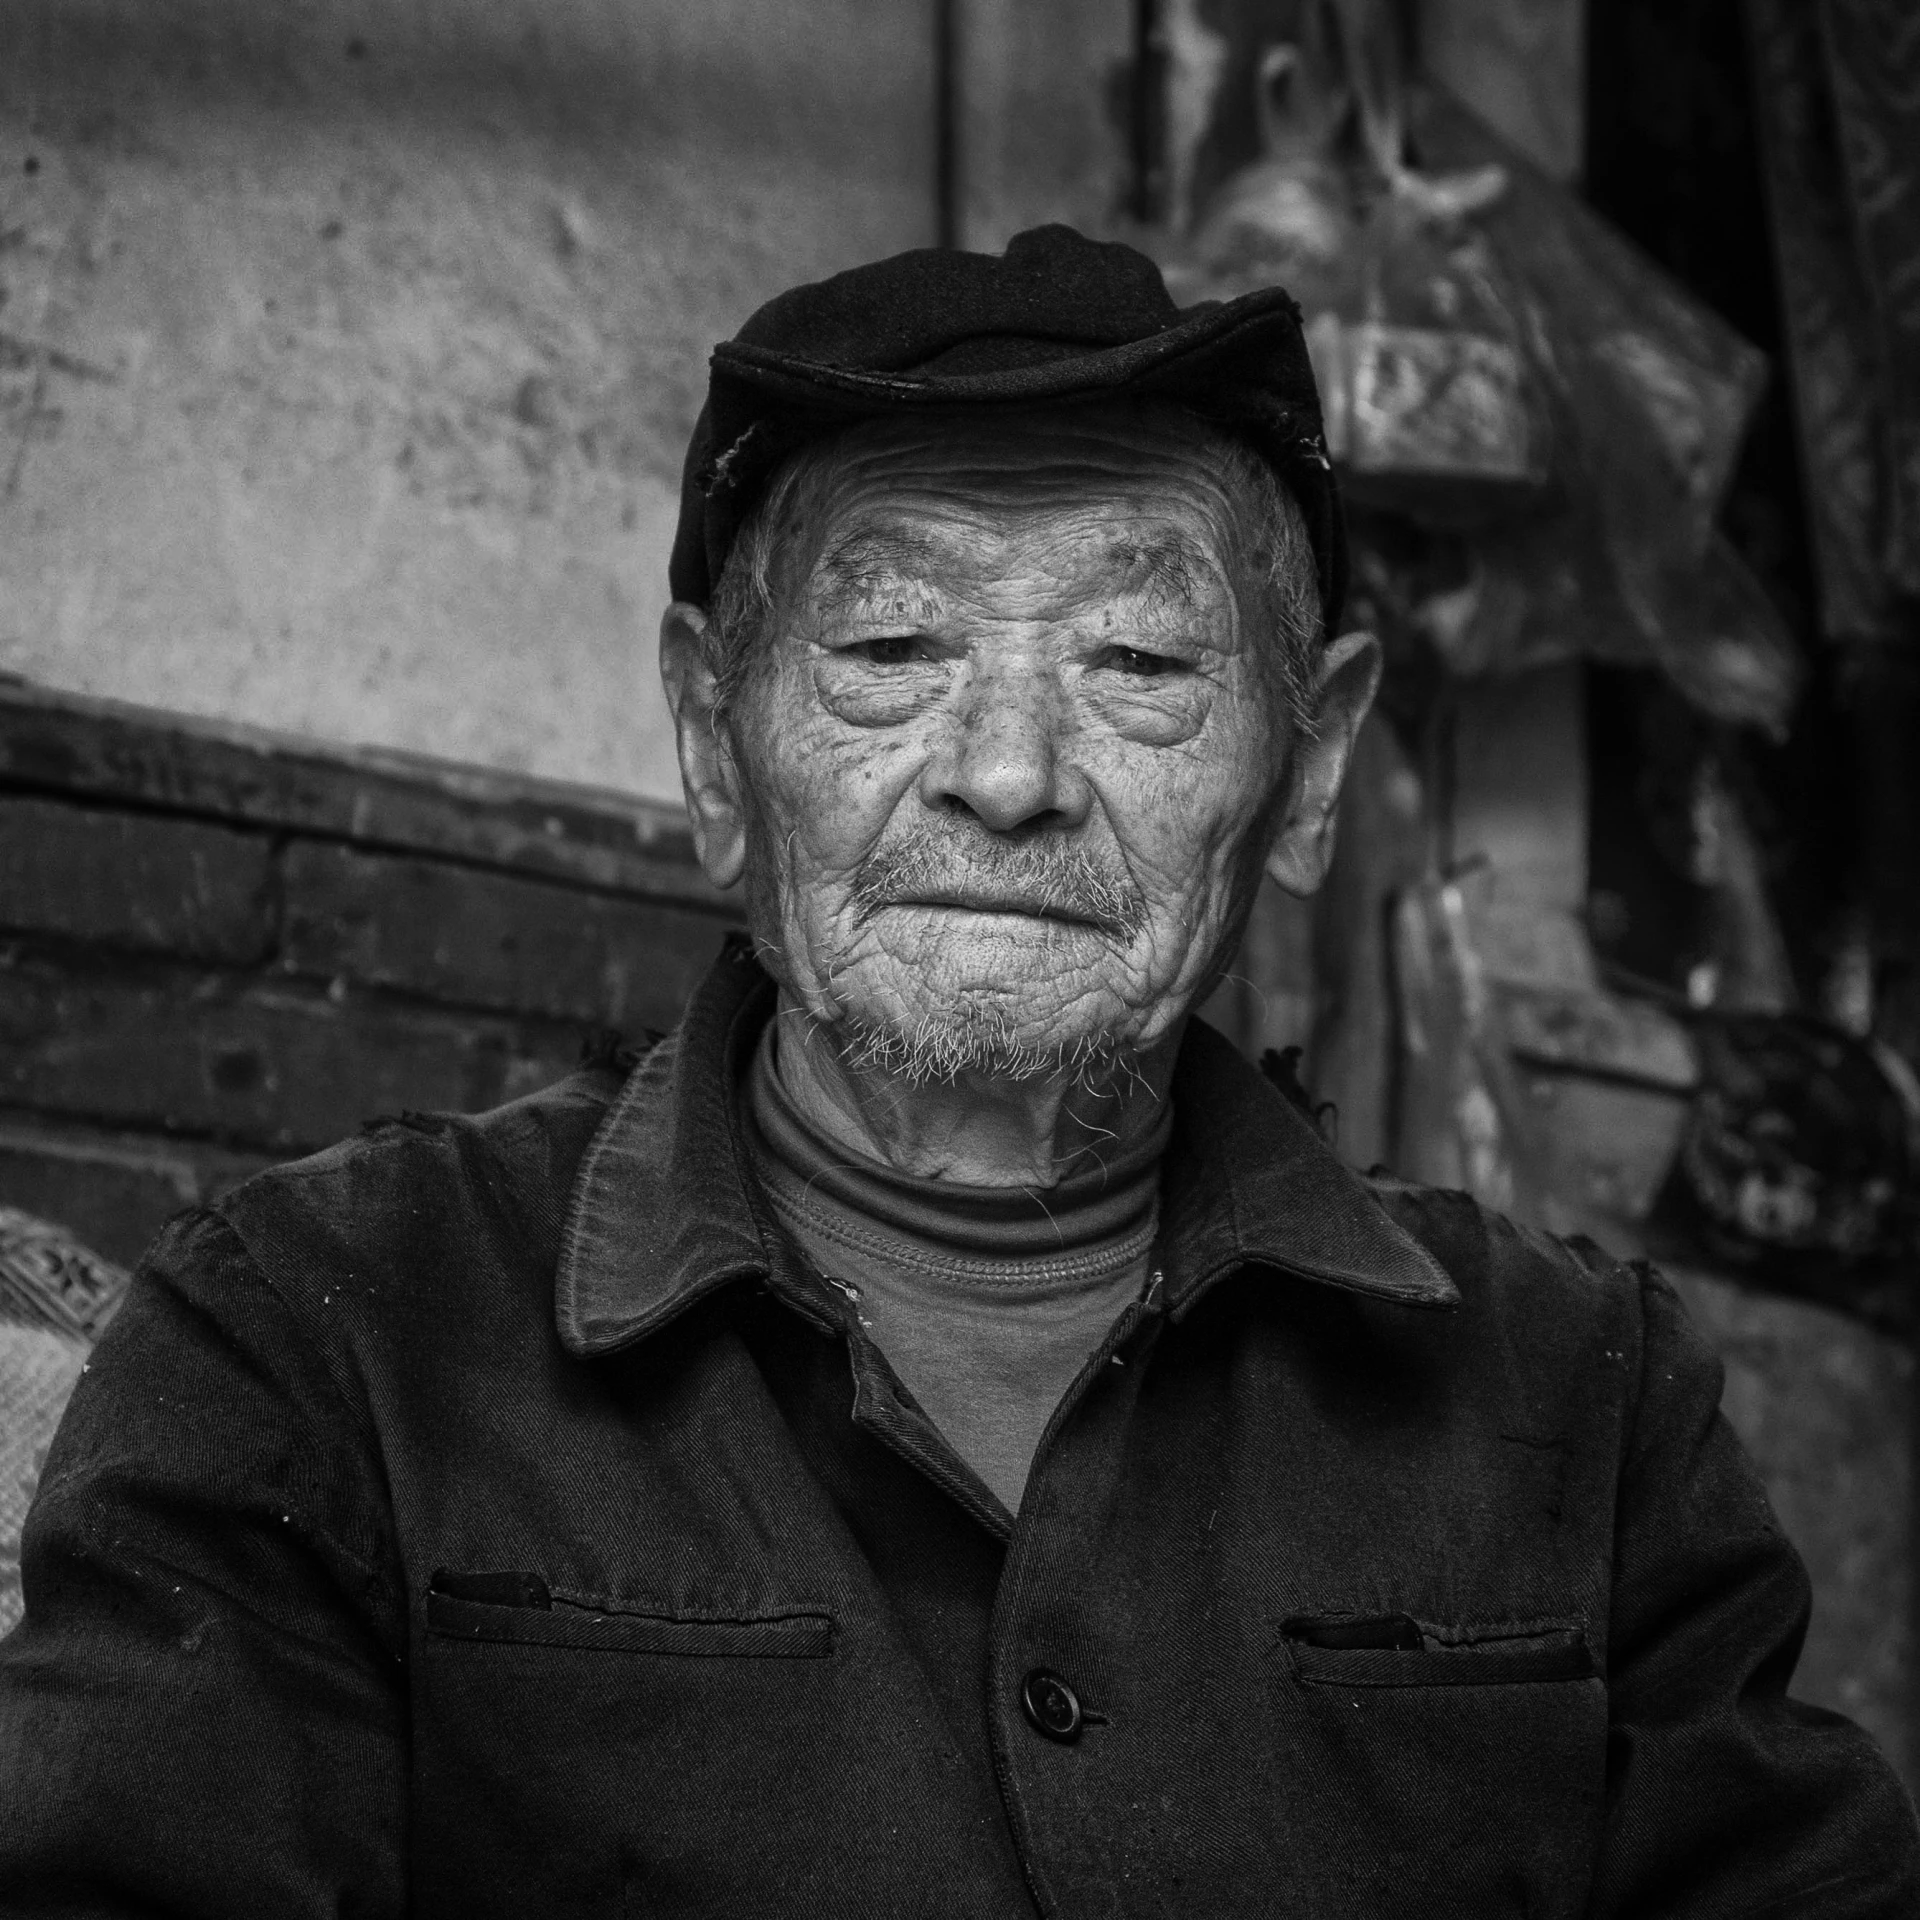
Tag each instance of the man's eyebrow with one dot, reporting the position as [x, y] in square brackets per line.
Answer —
[869, 556]
[870, 561]
[1162, 563]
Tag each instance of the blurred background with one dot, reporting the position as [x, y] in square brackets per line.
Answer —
[347, 358]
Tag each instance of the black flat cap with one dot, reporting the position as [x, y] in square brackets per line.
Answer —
[1056, 319]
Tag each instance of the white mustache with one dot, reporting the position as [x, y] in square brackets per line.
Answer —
[1044, 877]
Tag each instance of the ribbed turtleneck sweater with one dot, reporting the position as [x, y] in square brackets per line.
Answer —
[986, 1301]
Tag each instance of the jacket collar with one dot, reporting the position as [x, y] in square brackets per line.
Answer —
[1248, 1182]
[661, 1213]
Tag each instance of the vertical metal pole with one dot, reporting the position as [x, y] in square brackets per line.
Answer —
[1147, 116]
[946, 123]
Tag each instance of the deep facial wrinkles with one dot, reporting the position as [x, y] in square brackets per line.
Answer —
[996, 831]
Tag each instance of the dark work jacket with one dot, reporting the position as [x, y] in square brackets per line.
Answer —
[492, 1517]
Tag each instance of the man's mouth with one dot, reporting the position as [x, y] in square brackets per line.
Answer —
[1047, 883]
[1012, 905]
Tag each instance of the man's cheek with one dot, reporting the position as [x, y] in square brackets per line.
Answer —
[811, 803]
[817, 908]
[1181, 829]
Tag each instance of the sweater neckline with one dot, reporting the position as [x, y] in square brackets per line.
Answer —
[1109, 1198]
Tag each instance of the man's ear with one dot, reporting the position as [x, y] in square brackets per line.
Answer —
[708, 771]
[1303, 845]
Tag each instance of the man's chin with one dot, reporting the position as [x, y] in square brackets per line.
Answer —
[996, 1031]
[949, 1053]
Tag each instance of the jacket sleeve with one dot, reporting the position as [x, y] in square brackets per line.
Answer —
[1724, 1796]
[201, 1711]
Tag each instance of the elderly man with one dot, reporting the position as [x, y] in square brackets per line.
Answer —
[938, 1434]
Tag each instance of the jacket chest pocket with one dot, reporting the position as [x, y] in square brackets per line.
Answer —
[566, 1756]
[1454, 1768]
[798, 1634]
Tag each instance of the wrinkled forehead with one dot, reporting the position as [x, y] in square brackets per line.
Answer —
[1147, 501]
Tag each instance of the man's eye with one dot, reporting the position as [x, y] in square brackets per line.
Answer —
[890, 650]
[1138, 662]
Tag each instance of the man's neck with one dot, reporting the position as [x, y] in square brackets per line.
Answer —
[976, 1131]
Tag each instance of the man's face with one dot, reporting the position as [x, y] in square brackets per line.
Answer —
[1008, 755]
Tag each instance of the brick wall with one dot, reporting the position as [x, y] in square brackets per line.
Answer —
[218, 947]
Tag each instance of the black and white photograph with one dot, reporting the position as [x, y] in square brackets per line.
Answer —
[959, 959]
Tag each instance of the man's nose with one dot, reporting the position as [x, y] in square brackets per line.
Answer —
[1007, 755]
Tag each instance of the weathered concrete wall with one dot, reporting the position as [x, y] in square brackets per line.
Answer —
[347, 351]
[1041, 123]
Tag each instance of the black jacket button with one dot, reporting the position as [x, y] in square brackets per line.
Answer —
[1052, 1707]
